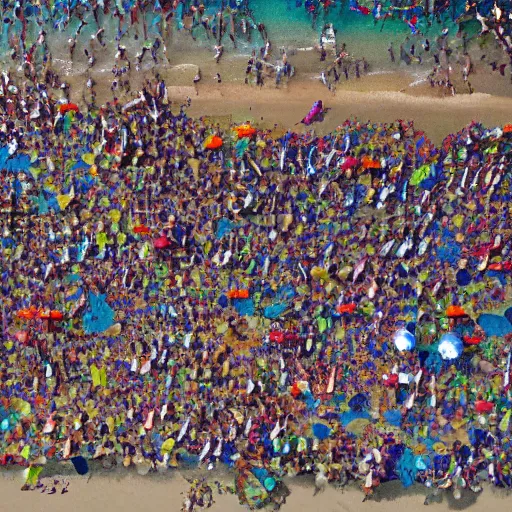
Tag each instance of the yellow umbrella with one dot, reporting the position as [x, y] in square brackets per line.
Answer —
[168, 445]
[239, 417]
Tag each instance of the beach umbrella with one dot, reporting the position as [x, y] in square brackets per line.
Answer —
[20, 406]
[455, 312]
[213, 142]
[495, 325]
[358, 402]
[28, 313]
[483, 406]
[68, 107]
[450, 346]
[245, 130]
[80, 464]
[357, 426]
[393, 417]
[51, 315]
[370, 163]
[346, 308]
[141, 229]
[472, 340]
[349, 162]
[167, 445]
[501, 267]
[88, 158]
[404, 340]
[161, 242]
[420, 174]
[321, 431]
[440, 448]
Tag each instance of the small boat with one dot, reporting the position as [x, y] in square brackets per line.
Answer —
[328, 39]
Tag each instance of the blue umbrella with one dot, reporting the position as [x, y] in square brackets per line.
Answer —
[495, 325]
[321, 431]
[450, 346]
[358, 402]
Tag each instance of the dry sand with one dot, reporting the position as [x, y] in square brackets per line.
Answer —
[140, 494]
[378, 97]
[381, 96]
[437, 116]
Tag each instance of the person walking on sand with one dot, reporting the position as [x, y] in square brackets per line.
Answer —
[219, 50]
[466, 67]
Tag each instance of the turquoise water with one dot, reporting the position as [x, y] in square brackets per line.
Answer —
[288, 26]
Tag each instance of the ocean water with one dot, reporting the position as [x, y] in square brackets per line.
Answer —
[288, 24]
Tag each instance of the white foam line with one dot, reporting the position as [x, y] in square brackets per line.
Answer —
[417, 82]
[382, 72]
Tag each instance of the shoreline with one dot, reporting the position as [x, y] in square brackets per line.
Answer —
[438, 117]
[382, 95]
[126, 490]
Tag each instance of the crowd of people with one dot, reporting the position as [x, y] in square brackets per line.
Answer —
[126, 34]
[172, 292]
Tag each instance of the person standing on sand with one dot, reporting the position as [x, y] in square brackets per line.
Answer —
[391, 52]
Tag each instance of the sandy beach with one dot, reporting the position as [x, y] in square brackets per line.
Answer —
[383, 95]
[438, 117]
[133, 493]
[315, 388]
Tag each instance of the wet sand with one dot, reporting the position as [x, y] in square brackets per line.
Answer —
[135, 494]
[380, 96]
[438, 117]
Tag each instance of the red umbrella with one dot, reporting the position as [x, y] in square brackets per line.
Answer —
[483, 406]
[238, 294]
[161, 242]
[346, 308]
[143, 230]
[295, 391]
[501, 266]
[68, 107]
[276, 336]
[213, 142]
[28, 314]
[472, 340]
[455, 312]
[51, 315]
[349, 162]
